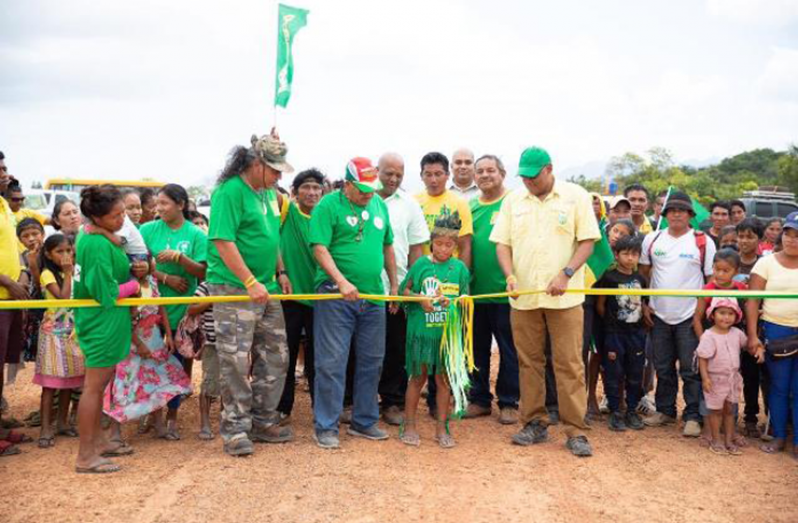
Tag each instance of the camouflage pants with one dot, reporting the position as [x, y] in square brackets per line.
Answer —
[245, 330]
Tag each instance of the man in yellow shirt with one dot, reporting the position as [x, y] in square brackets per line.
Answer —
[10, 289]
[544, 235]
[436, 198]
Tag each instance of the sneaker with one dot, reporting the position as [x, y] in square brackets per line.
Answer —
[239, 447]
[604, 406]
[659, 419]
[273, 434]
[692, 429]
[393, 415]
[508, 416]
[634, 422]
[373, 433]
[646, 407]
[327, 439]
[616, 422]
[532, 433]
[579, 447]
[346, 415]
[476, 411]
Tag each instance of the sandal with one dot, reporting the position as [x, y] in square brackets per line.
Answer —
[751, 430]
[8, 449]
[445, 441]
[45, 442]
[704, 441]
[17, 437]
[101, 468]
[734, 450]
[205, 435]
[34, 419]
[739, 441]
[772, 447]
[171, 432]
[413, 440]
[69, 432]
[718, 448]
[11, 423]
[122, 450]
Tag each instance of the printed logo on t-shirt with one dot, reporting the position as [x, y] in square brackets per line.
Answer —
[687, 256]
[183, 246]
[630, 308]
[659, 252]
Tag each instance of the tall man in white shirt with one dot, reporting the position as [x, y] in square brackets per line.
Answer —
[410, 233]
[676, 258]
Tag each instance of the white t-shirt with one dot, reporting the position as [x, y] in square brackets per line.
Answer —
[409, 228]
[135, 243]
[675, 264]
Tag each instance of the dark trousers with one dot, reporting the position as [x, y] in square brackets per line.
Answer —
[492, 320]
[298, 321]
[752, 380]
[629, 350]
[674, 344]
[393, 382]
[10, 340]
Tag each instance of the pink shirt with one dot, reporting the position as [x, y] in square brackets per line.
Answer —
[722, 350]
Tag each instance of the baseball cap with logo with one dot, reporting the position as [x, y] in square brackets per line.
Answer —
[363, 174]
[533, 159]
[272, 151]
[791, 222]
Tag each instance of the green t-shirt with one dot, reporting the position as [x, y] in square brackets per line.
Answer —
[487, 277]
[425, 329]
[104, 332]
[251, 220]
[297, 255]
[189, 240]
[355, 237]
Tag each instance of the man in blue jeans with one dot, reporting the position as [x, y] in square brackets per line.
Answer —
[675, 258]
[491, 317]
[352, 240]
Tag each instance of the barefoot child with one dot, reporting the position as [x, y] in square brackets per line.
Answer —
[438, 277]
[209, 390]
[718, 356]
[150, 376]
[59, 363]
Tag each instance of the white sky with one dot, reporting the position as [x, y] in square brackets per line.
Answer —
[160, 89]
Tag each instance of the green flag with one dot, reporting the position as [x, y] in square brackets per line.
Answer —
[601, 259]
[701, 213]
[289, 21]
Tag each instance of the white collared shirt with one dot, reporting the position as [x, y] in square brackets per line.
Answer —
[409, 228]
[471, 191]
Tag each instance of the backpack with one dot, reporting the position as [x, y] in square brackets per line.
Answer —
[700, 242]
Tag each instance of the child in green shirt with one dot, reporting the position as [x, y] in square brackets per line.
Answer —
[437, 277]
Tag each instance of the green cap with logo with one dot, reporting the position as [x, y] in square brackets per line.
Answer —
[533, 159]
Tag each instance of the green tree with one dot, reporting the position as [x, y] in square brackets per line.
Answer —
[589, 184]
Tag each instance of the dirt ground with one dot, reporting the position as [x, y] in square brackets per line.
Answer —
[653, 476]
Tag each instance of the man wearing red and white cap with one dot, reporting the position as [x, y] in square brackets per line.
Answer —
[352, 240]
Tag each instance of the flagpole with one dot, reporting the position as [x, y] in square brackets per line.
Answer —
[662, 213]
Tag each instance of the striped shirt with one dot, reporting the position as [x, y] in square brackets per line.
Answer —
[207, 325]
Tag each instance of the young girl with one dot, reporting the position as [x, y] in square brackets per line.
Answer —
[59, 362]
[31, 235]
[150, 376]
[439, 278]
[772, 233]
[724, 266]
[210, 388]
[728, 238]
[718, 355]
[623, 227]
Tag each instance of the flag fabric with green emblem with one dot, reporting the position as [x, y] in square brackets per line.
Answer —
[289, 21]
[600, 260]
[701, 213]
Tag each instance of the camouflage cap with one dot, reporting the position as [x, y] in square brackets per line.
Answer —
[272, 151]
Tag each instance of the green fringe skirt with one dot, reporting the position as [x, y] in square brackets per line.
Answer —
[423, 351]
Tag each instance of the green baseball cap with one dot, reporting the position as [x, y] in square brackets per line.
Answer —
[533, 159]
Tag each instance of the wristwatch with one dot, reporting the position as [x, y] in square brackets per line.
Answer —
[569, 272]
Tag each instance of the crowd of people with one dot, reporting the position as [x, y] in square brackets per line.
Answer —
[365, 359]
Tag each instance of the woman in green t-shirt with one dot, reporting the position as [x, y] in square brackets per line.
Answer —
[102, 273]
[179, 249]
